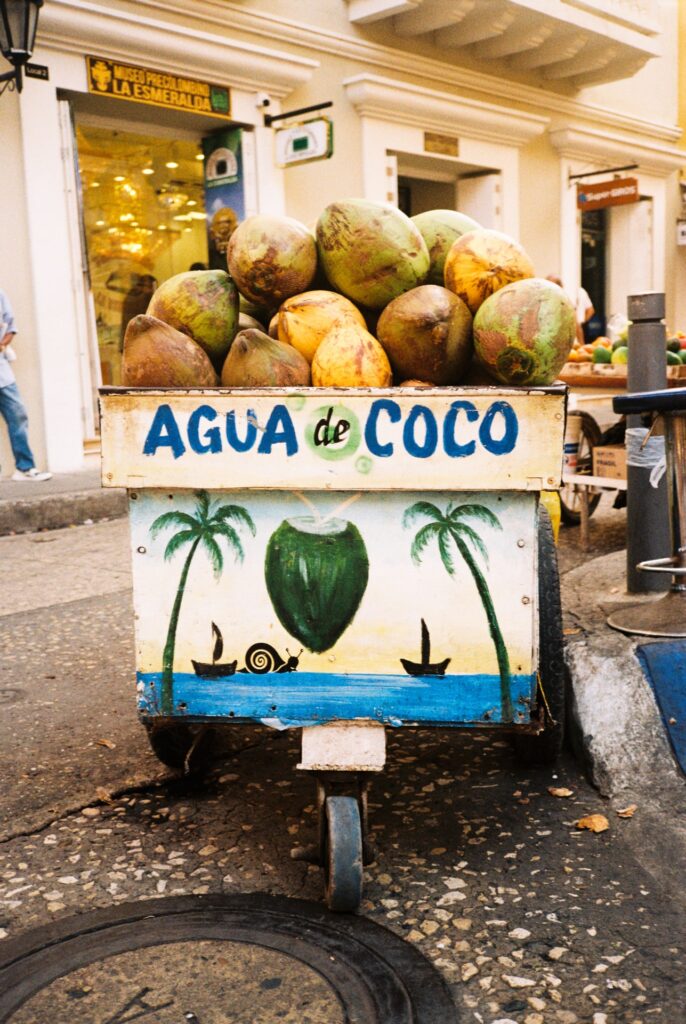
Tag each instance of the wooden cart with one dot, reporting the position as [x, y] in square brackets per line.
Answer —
[342, 562]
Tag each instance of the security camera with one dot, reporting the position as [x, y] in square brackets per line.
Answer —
[262, 100]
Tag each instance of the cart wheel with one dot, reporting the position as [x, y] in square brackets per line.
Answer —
[569, 495]
[343, 854]
[545, 747]
[180, 746]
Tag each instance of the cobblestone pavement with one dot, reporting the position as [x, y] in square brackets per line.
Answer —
[531, 919]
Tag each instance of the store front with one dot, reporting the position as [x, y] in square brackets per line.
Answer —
[134, 161]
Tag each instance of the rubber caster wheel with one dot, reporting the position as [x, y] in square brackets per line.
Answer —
[343, 854]
[182, 747]
[570, 499]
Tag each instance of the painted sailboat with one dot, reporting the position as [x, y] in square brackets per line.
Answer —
[216, 668]
[425, 667]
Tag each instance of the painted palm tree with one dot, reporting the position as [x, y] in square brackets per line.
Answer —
[452, 526]
[206, 528]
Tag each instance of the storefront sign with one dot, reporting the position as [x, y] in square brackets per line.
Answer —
[37, 71]
[486, 439]
[446, 145]
[157, 88]
[607, 193]
[304, 142]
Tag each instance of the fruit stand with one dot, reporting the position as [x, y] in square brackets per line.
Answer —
[342, 561]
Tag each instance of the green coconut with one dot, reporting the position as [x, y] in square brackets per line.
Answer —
[316, 574]
[524, 332]
[439, 230]
[371, 252]
[427, 335]
[271, 258]
[202, 304]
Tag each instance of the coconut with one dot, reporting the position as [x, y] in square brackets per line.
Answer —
[371, 252]
[349, 356]
[271, 258]
[440, 228]
[316, 574]
[158, 356]
[258, 361]
[524, 332]
[202, 304]
[427, 335]
[482, 261]
[304, 320]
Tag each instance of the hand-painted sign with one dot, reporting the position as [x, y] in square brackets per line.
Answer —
[607, 193]
[489, 438]
[297, 609]
[157, 88]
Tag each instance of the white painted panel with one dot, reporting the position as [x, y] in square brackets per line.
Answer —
[480, 197]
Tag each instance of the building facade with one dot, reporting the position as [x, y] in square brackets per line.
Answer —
[149, 141]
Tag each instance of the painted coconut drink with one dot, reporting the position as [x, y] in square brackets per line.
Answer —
[316, 573]
[524, 332]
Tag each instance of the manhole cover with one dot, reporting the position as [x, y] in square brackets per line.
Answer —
[219, 959]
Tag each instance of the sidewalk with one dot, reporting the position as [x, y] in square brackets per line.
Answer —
[67, 499]
[617, 729]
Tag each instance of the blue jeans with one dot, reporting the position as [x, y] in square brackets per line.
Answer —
[13, 412]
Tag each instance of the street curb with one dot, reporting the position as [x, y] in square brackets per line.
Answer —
[616, 722]
[55, 511]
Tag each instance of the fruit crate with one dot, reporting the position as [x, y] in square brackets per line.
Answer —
[341, 561]
[603, 375]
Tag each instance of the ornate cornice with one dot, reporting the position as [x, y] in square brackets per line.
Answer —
[78, 25]
[391, 100]
[604, 147]
[226, 13]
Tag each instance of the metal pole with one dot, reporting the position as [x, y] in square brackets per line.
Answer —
[647, 513]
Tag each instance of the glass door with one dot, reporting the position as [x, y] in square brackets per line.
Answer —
[144, 220]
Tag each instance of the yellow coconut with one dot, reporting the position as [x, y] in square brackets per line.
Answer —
[305, 319]
[481, 262]
[351, 357]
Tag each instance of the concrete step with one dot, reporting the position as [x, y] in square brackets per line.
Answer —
[65, 500]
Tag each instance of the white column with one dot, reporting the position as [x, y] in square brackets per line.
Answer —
[54, 293]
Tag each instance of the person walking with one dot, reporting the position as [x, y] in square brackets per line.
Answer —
[11, 406]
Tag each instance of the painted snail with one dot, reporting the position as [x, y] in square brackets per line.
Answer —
[262, 657]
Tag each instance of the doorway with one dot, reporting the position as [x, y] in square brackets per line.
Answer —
[144, 220]
[435, 183]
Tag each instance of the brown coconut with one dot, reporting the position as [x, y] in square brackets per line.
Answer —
[427, 335]
[158, 356]
[271, 258]
[258, 361]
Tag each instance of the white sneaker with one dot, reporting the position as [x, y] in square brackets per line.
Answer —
[31, 474]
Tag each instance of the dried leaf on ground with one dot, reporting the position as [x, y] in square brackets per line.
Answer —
[569, 631]
[627, 812]
[106, 743]
[560, 791]
[594, 823]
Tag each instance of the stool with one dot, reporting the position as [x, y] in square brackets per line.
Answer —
[665, 617]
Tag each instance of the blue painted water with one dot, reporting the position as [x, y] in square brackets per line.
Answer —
[311, 698]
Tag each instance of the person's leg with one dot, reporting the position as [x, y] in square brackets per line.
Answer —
[13, 411]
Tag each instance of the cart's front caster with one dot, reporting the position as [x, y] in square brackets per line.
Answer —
[343, 854]
[183, 747]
